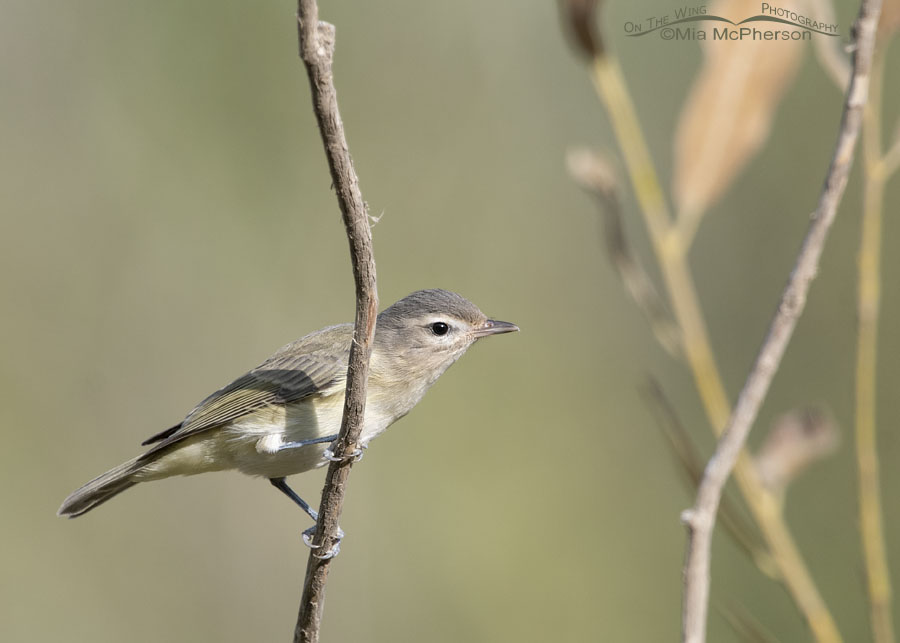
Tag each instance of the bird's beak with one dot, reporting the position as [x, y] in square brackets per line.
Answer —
[493, 327]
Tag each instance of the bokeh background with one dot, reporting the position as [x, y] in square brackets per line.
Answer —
[166, 222]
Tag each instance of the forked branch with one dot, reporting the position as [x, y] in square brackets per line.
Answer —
[700, 519]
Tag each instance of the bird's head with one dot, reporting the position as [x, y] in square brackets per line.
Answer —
[425, 332]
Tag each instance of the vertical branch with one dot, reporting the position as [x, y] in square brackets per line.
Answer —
[877, 575]
[671, 253]
[317, 53]
[700, 520]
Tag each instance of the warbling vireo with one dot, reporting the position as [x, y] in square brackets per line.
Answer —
[279, 419]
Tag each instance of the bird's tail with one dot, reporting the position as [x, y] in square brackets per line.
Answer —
[101, 489]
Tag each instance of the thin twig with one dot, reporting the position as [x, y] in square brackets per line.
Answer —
[745, 625]
[890, 163]
[878, 580]
[317, 53]
[667, 244]
[670, 250]
[700, 520]
[596, 175]
[688, 456]
[682, 444]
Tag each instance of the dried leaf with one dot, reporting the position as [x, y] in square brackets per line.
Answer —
[728, 113]
[890, 18]
[580, 16]
[796, 440]
[592, 171]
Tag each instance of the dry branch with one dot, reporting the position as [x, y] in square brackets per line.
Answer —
[875, 172]
[317, 53]
[670, 249]
[700, 520]
[691, 463]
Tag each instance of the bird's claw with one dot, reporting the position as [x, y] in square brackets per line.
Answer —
[333, 551]
[356, 455]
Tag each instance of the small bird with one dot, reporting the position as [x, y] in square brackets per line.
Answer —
[280, 418]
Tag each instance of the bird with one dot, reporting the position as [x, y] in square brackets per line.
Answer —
[279, 418]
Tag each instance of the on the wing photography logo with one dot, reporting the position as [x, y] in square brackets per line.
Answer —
[772, 23]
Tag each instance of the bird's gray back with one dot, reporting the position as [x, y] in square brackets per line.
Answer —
[311, 365]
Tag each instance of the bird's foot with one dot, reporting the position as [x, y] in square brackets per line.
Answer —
[356, 455]
[333, 551]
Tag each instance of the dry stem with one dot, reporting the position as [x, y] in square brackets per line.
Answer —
[877, 572]
[671, 250]
[700, 519]
[317, 52]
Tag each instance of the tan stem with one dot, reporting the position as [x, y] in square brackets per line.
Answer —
[671, 255]
[878, 582]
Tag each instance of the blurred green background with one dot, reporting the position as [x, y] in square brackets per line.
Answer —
[167, 223]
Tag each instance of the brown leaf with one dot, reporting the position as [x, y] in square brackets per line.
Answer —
[728, 113]
[796, 440]
[580, 18]
[890, 18]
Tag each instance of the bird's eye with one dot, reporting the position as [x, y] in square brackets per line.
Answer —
[439, 328]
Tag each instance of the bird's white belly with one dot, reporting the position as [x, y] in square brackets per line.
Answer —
[259, 443]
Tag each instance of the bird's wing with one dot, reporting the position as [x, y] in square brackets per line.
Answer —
[301, 369]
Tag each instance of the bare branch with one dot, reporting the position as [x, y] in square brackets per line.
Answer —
[671, 254]
[700, 520]
[891, 158]
[871, 528]
[691, 462]
[317, 53]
